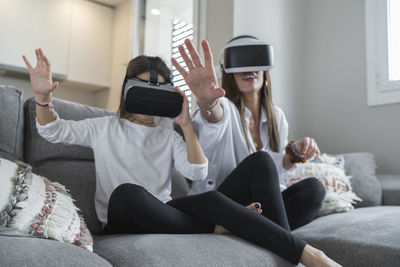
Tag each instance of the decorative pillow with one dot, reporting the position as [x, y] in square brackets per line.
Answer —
[31, 205]
[330, 172]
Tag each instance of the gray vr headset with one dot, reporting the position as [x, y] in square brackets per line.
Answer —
[152, 97]
[246, 53]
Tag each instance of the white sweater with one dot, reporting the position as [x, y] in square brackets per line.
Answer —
[126, 152]
[224, 144]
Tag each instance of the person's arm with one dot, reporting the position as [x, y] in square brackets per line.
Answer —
[306, 146]
[195, 153]
[49, 125]
[42, 85]
[202, 80]
[189, 158]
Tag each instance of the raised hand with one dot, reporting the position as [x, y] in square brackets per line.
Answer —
[200, 78]
[40, 76]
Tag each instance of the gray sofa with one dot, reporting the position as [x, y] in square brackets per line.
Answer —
[367, 236]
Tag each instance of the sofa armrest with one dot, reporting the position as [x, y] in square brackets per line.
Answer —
[390, 189]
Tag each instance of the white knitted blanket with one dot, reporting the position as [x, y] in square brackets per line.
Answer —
[330, 171]
[31, 205]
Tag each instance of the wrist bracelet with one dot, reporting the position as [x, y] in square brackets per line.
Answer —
[295, 157]
[49, 104]
[208, 110]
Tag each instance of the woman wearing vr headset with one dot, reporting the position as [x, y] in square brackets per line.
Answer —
[244, 136]
[133, 161]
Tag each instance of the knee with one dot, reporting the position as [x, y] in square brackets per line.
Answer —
[262, 158]
[213, 196]
[315, 186]
[127, 192]
[315, 190]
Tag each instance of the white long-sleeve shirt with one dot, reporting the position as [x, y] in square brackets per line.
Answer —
[224, 144]
[126, 152]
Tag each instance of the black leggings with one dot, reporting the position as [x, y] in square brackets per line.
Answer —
[134, 210]
[255, 179]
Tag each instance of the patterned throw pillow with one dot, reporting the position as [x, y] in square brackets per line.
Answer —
[31, 205]
[330, 172]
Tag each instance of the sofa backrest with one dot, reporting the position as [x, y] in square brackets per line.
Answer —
[70, 165]
[11, 123]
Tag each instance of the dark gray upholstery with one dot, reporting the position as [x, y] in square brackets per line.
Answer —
[362, 166]
[7, 156]
[183, 250]
[364, 237]
[11, 123]
[38, 252]
[390, 189]
[70, 165]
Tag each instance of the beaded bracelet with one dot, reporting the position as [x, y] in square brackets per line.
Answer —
[295, 157]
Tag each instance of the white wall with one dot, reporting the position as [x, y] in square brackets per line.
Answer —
[122, 51]
[334, 94]
[320, 74]
[218, 24]
[277, 22]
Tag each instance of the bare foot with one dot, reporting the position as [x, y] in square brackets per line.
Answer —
[255, 206]
[314, 257]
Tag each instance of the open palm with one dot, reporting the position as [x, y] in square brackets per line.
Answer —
[40, 76]
[200, 78]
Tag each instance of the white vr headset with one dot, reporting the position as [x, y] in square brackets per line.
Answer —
[246, 53]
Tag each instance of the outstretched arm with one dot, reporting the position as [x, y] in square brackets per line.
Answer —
[42, 85]
[201, 79]
[65, 131]
[195, 153]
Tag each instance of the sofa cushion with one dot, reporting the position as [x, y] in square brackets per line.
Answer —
[362, 237]
[11, 122]
[362, 166]
[183, 250]
[390, 188]
[32, 252]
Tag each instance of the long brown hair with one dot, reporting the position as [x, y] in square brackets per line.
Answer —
[135, 67]
[233, 93]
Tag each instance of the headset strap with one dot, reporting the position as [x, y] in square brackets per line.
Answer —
[153, 70]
